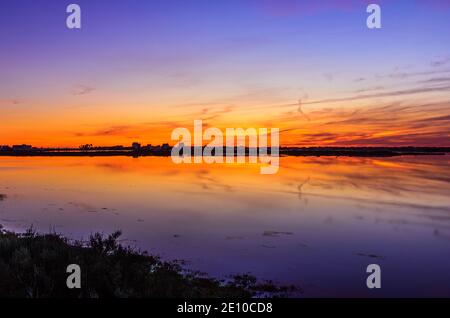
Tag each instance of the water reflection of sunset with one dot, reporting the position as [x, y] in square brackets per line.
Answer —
[229, 218]
[399, 179]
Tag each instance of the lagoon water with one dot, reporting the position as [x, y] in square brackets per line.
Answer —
[317, 223]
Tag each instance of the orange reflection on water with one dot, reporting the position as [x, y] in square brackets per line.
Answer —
[410, 180]
[228, 218]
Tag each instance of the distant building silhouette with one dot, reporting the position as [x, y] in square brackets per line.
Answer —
[136, 146]
[165, 147]
[86, 147]
[22, 147]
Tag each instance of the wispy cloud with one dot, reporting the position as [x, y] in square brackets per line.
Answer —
[405, 75]
[438, 118]
[440, 62]
[436, 80]
[383, 94]
[78, 90]
[8, 102]
[369, 89]
[108, 131]
[393, 124]
[299, 7]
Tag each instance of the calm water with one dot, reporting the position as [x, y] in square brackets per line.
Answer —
[317, 223]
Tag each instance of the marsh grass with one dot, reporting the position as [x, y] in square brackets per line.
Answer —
[34, 265]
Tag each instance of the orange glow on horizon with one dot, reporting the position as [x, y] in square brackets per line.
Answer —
[328, 125]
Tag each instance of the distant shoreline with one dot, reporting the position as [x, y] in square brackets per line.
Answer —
[284, 151]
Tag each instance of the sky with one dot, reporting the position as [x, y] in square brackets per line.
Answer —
[138, 69]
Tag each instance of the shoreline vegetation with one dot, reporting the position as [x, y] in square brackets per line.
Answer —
[34, 265]
[165, 150]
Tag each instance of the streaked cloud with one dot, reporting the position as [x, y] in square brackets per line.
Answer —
[9, 102]
[440, 62]
[79, 90]
[411, 91]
